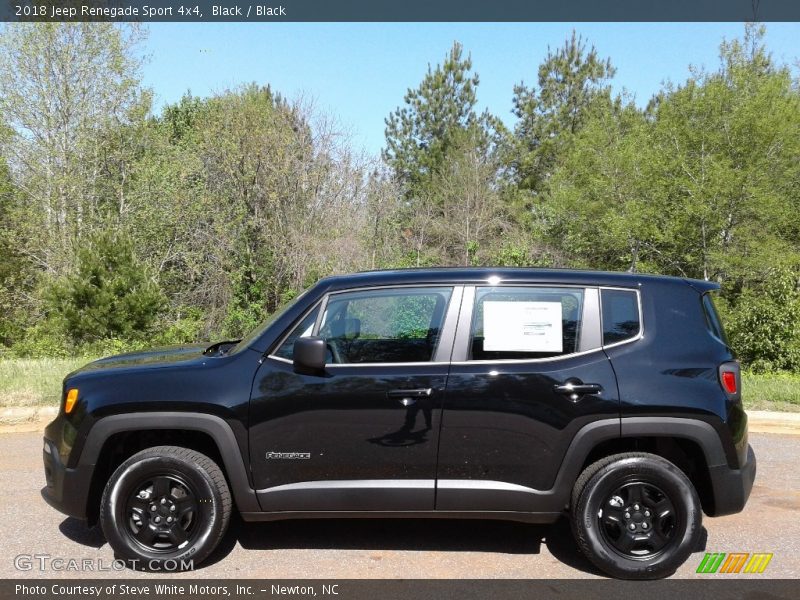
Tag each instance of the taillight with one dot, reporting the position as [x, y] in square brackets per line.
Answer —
[730, 379]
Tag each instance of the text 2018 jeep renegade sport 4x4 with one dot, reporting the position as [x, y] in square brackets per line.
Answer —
[514, 394]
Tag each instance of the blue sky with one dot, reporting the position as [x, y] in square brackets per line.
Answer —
[360, 72]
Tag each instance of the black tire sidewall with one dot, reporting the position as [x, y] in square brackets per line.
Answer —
[673, 483]
[114, 520]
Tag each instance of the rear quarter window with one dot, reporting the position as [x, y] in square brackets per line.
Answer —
[621, 319]
[713, 321]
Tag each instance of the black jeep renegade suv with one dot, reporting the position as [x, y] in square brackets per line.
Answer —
[514, 394]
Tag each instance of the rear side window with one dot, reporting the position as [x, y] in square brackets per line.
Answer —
[621, 319]
[712, 319]
[525, 322]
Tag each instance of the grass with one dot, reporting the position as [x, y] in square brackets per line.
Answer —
[773, 391]
[37, 382]
[34, 381]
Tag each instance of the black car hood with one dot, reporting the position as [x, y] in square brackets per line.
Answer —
[156, 357]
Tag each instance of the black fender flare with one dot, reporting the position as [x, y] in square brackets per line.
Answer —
[589, 436]
[700, 432]
[214, 426]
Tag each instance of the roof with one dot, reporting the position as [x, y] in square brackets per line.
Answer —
[478, 275]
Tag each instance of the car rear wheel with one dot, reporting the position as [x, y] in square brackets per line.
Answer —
[165, 508]
[636, 516]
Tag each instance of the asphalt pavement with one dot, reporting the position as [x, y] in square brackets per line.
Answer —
[378, 548]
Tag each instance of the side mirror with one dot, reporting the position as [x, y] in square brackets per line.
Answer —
[309, 355]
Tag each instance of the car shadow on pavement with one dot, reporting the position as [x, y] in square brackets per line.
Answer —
[446, 535]
[77, 531]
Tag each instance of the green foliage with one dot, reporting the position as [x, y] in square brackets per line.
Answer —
[13, 270]
[436, 116]
[184, 328]
[725, 159]
[201, 221]
[109, 296]
[764, 324]
[570, 81]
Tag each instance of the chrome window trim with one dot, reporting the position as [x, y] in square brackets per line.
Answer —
[451, 313]
[505, 361]
[640, 335]
[463, 324]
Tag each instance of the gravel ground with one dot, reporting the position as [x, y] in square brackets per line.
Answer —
[394, 548]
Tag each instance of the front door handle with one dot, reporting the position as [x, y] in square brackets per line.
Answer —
[409, 397]
[574, 389]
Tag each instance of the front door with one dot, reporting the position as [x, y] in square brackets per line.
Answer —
[363, 435]
[528, 372]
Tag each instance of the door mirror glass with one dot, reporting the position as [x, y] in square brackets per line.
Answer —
[309, 355]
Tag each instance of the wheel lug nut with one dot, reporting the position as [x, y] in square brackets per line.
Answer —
[169, 519]
[152, 507]
[627, 515]
[163, 501]
[644, 525]
[647, 513]
[635, 507]
[172, 508]
[632, 526]
[157, 519]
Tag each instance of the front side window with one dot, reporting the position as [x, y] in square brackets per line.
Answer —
[393, 325]
[302, 329]
[620, 316]
[525, 322]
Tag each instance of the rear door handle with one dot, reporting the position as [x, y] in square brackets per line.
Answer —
[409, 397]
[575, 389]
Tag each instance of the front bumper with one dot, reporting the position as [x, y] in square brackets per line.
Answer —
[732, 487]
[67, 490]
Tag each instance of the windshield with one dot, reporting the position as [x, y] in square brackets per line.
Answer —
[248, 339]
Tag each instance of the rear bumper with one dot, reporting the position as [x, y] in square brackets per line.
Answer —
[732, 487]
[67, 490]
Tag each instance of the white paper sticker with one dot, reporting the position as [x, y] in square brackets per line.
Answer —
[522, 327]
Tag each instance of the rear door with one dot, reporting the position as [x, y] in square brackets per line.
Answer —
[528, 372]
[364, 435]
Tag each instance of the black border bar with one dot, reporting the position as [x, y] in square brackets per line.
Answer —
[400, 10]
[712, 586]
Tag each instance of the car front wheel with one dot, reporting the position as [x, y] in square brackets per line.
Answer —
[165, 508]
[636, 516]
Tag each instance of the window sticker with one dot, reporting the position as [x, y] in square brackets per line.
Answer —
[522, 327]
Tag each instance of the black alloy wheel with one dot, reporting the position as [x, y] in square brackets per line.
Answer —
[638, 520]
[162, 513]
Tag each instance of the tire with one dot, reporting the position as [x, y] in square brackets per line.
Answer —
[165, 509]
[647, 492]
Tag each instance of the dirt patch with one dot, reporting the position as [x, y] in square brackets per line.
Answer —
[25, 419]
